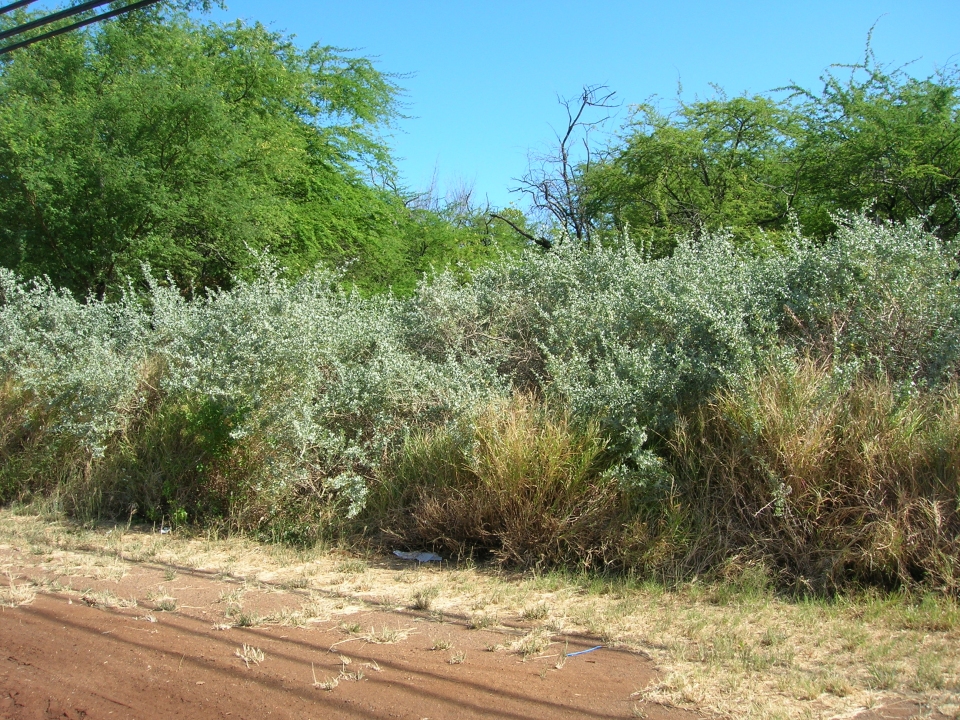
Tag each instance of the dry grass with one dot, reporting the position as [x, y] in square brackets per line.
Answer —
[532, 643]
[250, 655]
[355, 675]
[535, 612]
[351, 566]
[423, 597]
[482, 620]
[787, 659]
[386, 635]
[161, 600]
[526, 485]
[327, 684]
[831, 484]
[241, 618]
[14, 595]
[315, 609]
[105, 599]
[732, 648]
[83, 565]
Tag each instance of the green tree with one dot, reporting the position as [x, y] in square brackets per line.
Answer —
[882, 140]
[877, 140]
[715, 163]
[192, 146]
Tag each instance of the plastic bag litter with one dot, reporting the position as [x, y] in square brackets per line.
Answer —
[418, 556]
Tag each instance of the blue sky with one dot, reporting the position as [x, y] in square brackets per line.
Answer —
[483, 77]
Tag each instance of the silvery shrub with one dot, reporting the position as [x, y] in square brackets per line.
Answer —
[331, 383]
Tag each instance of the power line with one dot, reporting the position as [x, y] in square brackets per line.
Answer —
[52, 17]
[15, 5]
[61, 15]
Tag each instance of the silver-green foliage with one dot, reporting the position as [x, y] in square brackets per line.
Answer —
[633, 341]
[78, 360]
[318, 374]
[318, 378]
[878, 297]
[328, 384]
[610, 331]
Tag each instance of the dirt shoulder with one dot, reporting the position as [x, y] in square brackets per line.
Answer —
[109, 649]
[120, 622]
[74, 661]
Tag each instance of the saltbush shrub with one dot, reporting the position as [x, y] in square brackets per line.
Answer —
[293, 390]
[281, 407]
[879, 299]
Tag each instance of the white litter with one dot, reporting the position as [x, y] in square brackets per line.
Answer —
[421, 557]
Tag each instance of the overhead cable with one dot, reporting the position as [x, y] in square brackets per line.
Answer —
[51, 18]
[69, 12]
[14, 5]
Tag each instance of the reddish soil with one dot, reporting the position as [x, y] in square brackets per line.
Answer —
[62, 658]
[901, 710]
[73, 654]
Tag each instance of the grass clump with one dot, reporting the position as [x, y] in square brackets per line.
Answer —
[423, 598]
[831, 481]
[522, 481]
[15, 595]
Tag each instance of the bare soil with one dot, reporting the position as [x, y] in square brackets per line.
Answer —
[114, 622]
[67, 655]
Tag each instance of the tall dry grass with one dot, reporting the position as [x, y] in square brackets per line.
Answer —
[826, 481]
[523, 481]
[28, 464]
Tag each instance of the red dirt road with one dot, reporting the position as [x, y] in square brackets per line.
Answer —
[60, 658]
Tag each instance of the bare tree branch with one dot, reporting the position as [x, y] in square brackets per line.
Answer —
[541, 241]
[554, 181]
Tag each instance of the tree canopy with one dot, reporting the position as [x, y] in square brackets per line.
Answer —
[194, 146]
[872, 138]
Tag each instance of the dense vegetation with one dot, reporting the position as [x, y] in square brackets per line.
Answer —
[871, 139]
[585, 406]
[193, 146]
[754, 365]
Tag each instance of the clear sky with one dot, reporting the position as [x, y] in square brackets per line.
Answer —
[482, 78]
